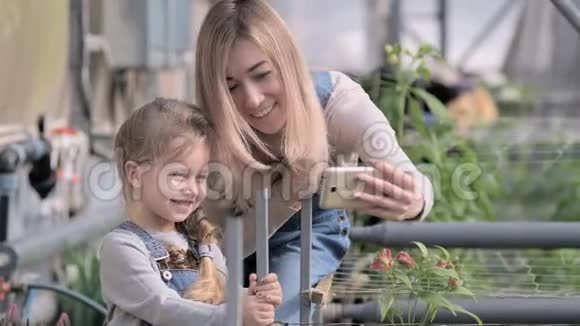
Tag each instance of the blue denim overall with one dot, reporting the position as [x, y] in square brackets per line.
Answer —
[177, 279]
[330, 241]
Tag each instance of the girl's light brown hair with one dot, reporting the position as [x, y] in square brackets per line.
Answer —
[304, 143]
[144, 138]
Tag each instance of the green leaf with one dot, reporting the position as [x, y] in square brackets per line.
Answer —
[459, 308]
[442, 272]
[433, 103]
[440, 301]
[424, 72]
[444, 251]
[422, 248]
[437, 301]
[386, 301]
[403, 278]
[463, 291]
[426, 49]
[417, 117]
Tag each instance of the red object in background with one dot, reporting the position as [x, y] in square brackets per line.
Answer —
[4, 288]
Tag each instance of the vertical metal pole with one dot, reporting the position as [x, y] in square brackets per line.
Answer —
[443, 28]
[395, 22]
[305, 259]
[570, 11]
[8, 187]
[169, 56]
[262, 254]
[4, 213]
[234, 253]
[318, 317]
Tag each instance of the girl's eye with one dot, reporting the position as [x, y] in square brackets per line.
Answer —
[232, 87]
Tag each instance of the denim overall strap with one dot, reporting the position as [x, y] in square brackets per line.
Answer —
[155, 247]
[324, 87]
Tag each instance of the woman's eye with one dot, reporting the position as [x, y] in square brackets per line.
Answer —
[232, 87]
[262, 75]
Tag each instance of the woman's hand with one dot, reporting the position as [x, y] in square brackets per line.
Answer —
[269, 290]
[395, 194]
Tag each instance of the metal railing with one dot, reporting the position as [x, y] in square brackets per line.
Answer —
[505, 311]
[492, 235]
[234, 245]
[569, 10]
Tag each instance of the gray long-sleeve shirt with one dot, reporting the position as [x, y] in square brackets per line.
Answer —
[135, 293]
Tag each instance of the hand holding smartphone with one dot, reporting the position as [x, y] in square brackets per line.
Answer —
[339, 184]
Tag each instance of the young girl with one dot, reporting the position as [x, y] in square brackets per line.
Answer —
[163, 266]
[271, 112]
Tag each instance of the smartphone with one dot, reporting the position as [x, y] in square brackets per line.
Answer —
[338, 185]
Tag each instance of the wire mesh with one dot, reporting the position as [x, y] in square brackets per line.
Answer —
[497, 273]
[412, 324]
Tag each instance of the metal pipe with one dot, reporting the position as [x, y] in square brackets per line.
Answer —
[234, 253]
[4, 214]
[68, 293]
[569, 10]
[262, 252]
[305, 259]
[498, 235]
[443, 27]
[89, 226]
[395, 23]
[489, 310]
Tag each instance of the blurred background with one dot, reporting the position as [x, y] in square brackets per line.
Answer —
[72, 70]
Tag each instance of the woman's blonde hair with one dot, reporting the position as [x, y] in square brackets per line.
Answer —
[145, 137]
[304, 142]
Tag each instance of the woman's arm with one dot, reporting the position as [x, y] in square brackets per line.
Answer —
[280, 208]
[130, 282]
[356, 125]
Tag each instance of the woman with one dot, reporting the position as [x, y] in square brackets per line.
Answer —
[279, 124]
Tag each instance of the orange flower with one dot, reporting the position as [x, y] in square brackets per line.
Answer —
[445, 264]
[383, 261]
[405, 259]
[454, 283]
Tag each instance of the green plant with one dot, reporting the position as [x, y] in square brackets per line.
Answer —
[464, 189]
[81, 273]
[430, 279]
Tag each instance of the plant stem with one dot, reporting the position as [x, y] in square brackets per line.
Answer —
[409, 308]
[426, 316]
[415, 307]
[401, 113]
